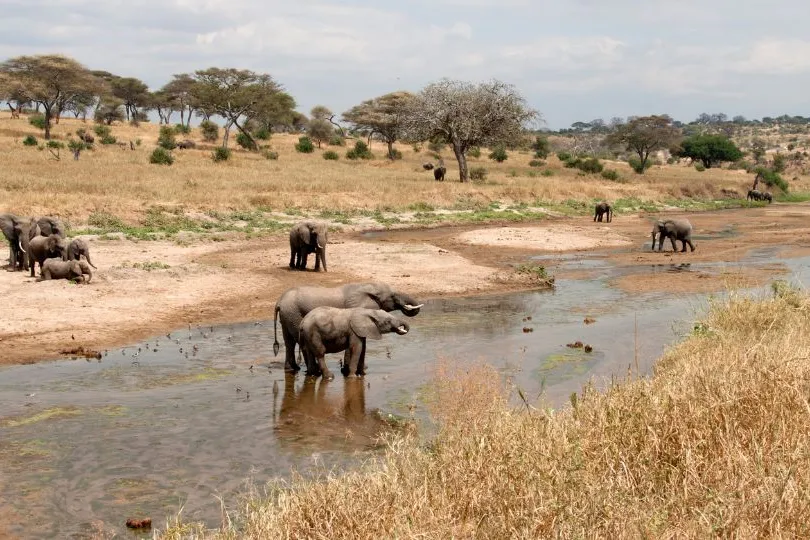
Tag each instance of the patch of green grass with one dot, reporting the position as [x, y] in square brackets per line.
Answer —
[421, 207]
[795, 197]
[149, 266]
[53, 412]
[337, 216]
[480, 216]
[634, 204]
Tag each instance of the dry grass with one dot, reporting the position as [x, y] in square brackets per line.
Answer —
[123, 183]
[714, 444]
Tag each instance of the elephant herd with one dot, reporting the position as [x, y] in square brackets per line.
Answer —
[42, 241]
[757, 195]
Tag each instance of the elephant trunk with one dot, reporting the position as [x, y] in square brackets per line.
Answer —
[89, 262]
[275, 332]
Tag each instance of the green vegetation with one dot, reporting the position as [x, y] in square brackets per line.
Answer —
[360, 151]
[161, 156]
[221, 153]
[305, 145]
[331, 155]
[709, 149]
[499, 154]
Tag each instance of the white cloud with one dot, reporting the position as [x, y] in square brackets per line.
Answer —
[774, 56]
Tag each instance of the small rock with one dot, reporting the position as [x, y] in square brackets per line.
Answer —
[145, 523]
[526, 329]
[589, 320]
[588, 348]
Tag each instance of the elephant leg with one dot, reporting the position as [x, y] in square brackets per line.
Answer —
[674, 245]
[292, 257]
[302, 258]
[324, 369]
[289, 351]
[347, 355]
[321, 258]
[361, 363]
[317, 260]
[688, 241]
[356, 350]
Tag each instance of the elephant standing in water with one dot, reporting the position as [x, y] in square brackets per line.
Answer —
[330, 330]
[674, 229]
[603, 209]
[294, 304]
[308, 237]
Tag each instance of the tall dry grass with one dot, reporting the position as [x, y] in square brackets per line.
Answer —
[122, 182]
[714, 444]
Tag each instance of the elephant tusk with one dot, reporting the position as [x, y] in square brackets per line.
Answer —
[402, 330]
[320, 246]
[21, 248]
[408, 306]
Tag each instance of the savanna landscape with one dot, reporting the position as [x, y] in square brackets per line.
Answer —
[496, 419]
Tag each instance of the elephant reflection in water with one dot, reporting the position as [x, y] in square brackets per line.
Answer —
[316, 412]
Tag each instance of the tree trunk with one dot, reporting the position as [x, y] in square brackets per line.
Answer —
[463, 172]
[57, 116]
[391, 150]
[47, 122]
[226, 135]
[182, 116]
[253, 144]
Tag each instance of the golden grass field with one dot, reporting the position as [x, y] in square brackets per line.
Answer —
[714, 444]
[123, 183]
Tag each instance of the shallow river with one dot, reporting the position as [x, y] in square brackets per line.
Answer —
[182, 418]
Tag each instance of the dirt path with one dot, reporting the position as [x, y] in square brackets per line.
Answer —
[146, 288]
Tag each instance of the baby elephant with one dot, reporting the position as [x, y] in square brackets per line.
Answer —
[603, 209]
[674, 229]
[58, 269]
[76, 249]
[330, 330]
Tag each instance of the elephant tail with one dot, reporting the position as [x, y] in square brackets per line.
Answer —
[275, 331]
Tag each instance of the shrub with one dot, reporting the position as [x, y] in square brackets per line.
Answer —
[436, 145]
[610, 174]
[670, 160]
[245, 142]
[499, 154]
[74, 145]
[337, 140]
[563, 156]
[541, 147]
[263, 134]
[537, 163]
[182, 128]
[360, 151]
[331, 155]
[700, 167]
[771, 178]
[269, 154]
[635, 164]
[210, 130]
[138, 141]
[55, 144]
[37, 120]
[791, 146]
[416, 148]
[221, 154]
[590, 166]
[779, 163]
[304, 145]
[161, 156]
[478, 174]
[166, 139]
[474, 151]
[395, 154]
[102, 130]
[547, 172]
[30, 140]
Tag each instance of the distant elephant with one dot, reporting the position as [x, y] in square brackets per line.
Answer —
[9, 224]
[186, 145]
[308, 237]
[46, 226]
[754, 195]
[58, 269]
[427, 166]
[77, 248]
[674, 229]
[603, 208]
[330, 330]
[767, 197]
[294, 304]
[42, 248]
[439, 172]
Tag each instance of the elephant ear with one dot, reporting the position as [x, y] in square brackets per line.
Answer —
[304, 230]
[364, 325]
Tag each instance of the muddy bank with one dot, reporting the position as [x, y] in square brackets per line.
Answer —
[145, 288]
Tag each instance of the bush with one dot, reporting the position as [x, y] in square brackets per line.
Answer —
[30, 140]
[210, 130]
[474, 151]
[537, 163]
[395, 154]
[541, 147]
[436, 145]
[245, 142]
[590, 166]
[416, 148]
[37, 120]
[360, 151]
[610, 174]
[102, 130]
[161, 156]
[269, 154]
[138, 141]
[478, 174]
[791, 146]
[563, 156]
[670, 160]
[166, 138]
[304, 145]
[337, 140]
[635, 164]
[499, 154]
[779, 163]
[74, 145]
[700, 167]
[182, 128]
[55, 144]
[547, 172]
[221, 154]
[331, 155]
[771, 178]
[263, 134]
[571, 162]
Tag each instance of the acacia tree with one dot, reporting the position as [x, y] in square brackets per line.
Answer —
[13, 93]
[178, 92]
[80, 103]
[50, 80]
[275, 111]
[645, 134]
[383, 115]
[710, 149]
[165, 104]
[319, 128]
[233, 94]
[467, 115]
[134, 94]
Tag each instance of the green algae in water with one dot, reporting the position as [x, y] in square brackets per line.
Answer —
[566, 365]
[53, 412]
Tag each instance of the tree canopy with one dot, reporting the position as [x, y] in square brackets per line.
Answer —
[383, 115]
[645, 134]
[466, 115]
[709, 149]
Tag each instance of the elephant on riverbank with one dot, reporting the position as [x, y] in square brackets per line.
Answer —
[603, 209]
[767, 197]
[331, 330]
[9, 224]
[308, 237]
[674, 229]
[41, 248]
[294, 304]
[754, 195]
[59, 269]
[77, 248]
[46, 226]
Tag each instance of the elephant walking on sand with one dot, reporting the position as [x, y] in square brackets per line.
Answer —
[330, 330]
[308, 237]
[603, 209]
[294, 304]
[674, 229]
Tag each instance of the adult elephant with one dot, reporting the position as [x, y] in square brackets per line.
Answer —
[46, 226]
[41, 248]
[23, 230]
[330, 330]
[308, 237]
[767, 197]
[603, 209]
[9, 224]
[674, 229]
[295, 303]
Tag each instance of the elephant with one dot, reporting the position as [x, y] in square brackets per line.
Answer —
[58, 269]
[330, 330]
[754, 195]
[439, 172]
[45, 247]
[674, 229]
[308, 237]
[77, 248]
[9, 224]
[603, 208]
[767, 197]
[47, 226]
[294, 304]
[427, 166]
[23, 230]
[186, 145]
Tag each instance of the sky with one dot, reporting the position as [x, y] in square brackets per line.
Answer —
[573, 60]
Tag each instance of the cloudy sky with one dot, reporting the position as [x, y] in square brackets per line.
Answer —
[574, 60]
